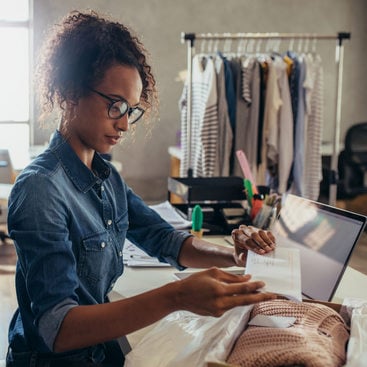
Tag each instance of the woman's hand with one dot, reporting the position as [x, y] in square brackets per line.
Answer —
[213, 291]
[250, 238]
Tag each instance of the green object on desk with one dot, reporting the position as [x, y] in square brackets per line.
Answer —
[249, 193]
[197, 218]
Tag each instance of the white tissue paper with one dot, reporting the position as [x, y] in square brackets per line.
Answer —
[357, 345]
[186, 339]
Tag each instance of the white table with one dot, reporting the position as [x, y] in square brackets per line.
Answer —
[138, 280]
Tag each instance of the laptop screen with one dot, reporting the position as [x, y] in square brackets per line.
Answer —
[325, 236]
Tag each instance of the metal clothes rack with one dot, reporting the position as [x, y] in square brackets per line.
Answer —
[190, 38]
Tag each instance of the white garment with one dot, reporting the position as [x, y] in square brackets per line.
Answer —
[272, 105]
[285, 136]
[314, 84]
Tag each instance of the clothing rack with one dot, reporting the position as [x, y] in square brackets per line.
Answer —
[190, 38]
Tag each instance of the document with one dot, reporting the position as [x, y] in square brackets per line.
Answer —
[280, 270]
[170, 215]
[135, 257]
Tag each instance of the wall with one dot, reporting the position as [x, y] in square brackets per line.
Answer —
[160, 22]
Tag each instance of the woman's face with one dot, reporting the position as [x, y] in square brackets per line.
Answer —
[90, 128]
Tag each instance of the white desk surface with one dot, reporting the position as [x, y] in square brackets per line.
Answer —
[137, 280]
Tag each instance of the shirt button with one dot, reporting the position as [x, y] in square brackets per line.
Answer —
[102, 188]
[109, 222]
[103, 244]
[120, 253]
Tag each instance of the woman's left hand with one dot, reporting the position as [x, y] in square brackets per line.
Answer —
[251, 238]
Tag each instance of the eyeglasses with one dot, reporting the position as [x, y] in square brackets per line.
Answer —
[120, 107]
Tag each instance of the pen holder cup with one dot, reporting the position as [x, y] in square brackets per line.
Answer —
[265, 218]
[263, 190]
[268, 209]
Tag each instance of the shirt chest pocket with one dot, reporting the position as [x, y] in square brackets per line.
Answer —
[98, 258]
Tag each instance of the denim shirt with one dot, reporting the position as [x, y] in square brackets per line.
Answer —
[69, 226]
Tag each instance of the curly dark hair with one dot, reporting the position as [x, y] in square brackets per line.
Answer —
[78, 53]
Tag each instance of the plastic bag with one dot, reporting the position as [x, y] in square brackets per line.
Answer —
[186, 339]
[357, 345]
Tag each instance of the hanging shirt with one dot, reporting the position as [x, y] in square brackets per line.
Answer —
[285, 127]
[314, 84]
[204, 120]
[299, 134]
[251, 94]
[278, 126]
[230, 90]
[272, 105]
[225, 134]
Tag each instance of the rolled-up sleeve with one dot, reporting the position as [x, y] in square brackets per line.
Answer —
[48, 265]
[50, 321]
[151, 233]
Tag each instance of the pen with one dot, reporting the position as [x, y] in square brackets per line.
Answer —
[249, 193]
[257, 203]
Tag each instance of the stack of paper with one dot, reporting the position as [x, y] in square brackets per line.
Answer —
[170, 215]
[279, 269]
[134, 256]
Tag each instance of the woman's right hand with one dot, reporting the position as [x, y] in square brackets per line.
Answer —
[212, 292]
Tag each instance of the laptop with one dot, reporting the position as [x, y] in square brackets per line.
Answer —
[326, 237]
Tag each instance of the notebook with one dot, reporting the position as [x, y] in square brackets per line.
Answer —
[325, 236]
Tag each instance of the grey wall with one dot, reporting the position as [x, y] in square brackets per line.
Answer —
[160, 22]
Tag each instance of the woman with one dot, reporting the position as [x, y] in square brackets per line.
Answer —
[70, 212]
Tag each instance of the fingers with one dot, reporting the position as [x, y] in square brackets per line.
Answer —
[227, 277]
[240, 294]
[214, 291]
[251, 238]
[236, 285]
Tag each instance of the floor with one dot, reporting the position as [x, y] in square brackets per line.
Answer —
[8, 258]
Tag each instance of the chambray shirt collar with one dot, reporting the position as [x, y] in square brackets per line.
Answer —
[81, 176]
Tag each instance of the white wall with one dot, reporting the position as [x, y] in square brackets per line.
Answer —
[160, 23]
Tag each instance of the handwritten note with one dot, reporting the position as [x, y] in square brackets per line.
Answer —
[280, 270]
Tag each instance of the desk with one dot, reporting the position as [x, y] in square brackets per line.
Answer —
[138, 280]
[4, 195]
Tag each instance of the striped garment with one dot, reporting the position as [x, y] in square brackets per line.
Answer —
[314, 85]
[204, 120]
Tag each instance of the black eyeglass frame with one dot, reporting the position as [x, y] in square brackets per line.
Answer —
[129, 110]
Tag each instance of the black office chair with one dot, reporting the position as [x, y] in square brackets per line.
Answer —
[352, 163]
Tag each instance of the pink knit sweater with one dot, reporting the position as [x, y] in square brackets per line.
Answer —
[317, 339]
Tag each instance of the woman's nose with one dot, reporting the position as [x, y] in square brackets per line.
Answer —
[122, 124]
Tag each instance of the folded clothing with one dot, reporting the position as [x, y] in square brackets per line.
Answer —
[318, 338]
